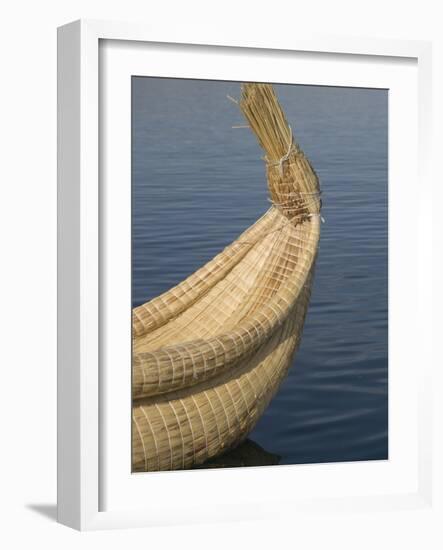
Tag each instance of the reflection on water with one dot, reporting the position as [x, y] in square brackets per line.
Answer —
[248, 453]
[197, 183]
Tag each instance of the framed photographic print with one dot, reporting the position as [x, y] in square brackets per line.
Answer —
[242, 267]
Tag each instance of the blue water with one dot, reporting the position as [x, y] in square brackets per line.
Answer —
[197, 183]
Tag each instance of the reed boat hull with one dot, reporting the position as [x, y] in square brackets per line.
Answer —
[193, 425]
[209, 355]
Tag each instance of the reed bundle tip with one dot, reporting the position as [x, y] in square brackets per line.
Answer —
[265, 116]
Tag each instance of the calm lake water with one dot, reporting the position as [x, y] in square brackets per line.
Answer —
[198, 183]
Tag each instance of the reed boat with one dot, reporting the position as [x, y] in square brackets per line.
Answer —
[209, 354]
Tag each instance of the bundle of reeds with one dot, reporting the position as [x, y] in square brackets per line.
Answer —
[209, 354]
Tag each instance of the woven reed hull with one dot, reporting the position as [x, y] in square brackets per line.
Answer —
[190, 426]
[209, 354]
[234, 317]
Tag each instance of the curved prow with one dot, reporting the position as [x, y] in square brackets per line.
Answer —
[168, 355]
[293, 184]
[209, 354]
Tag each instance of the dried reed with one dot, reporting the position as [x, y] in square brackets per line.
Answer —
[209, 354]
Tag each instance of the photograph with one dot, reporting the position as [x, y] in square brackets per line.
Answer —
[259, 274]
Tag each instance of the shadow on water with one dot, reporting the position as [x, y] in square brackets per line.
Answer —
[247, 453]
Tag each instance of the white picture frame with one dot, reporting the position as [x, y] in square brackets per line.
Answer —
[82, 439]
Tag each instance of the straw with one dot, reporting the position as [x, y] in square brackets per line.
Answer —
[209, 354]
